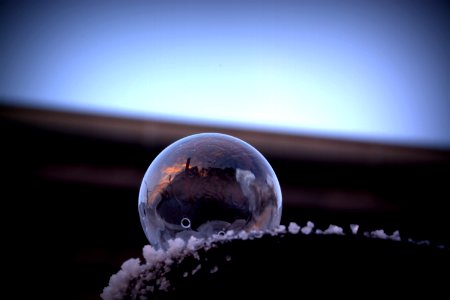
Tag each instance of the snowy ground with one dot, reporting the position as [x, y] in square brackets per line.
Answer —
[136, 279]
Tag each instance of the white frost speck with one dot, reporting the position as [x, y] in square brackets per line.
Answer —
[164, 284]
[153, 256]
[425, 242]
[185, 274]
[214, 270]
[308, 228]
[168, 261]
[396, 236]
[196, 269]
[293, 228]
[175, 247]
[118, 283]
[333, 229]
[243, 235]
[354, 228]
[280, 229]
[194, 243]
[379, 234]
[229, 233]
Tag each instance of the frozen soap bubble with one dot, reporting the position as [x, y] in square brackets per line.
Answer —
[207, 184]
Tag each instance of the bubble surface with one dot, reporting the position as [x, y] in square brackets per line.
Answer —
[207, 184]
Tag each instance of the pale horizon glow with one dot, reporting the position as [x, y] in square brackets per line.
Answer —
[370, 71]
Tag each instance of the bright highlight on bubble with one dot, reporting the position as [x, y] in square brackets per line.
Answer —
[207, 184]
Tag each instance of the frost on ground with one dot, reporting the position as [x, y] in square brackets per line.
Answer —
[308, 228]
[354, 228]
[118, 283]
[380, 234]
[332, 229]
[138, 279]
[293, 228]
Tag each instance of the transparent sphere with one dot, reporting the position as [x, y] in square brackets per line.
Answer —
[207, 184]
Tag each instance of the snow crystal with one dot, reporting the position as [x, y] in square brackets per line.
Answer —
[194, 243]
[168, 261]
[164, 284]
[176, 246]
[293, 228]
[395, 236]
[214, 270]
[243, 235]
[229, 233]
[425, 242]
[280, 229]
[153, 256]
[196, 269]
[309, 227]
[380, 234]
[354, 228]
[333, 229]
[118, 283]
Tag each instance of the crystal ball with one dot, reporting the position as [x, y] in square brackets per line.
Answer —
[206, 184]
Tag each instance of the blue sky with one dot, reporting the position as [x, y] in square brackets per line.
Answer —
[359, 70]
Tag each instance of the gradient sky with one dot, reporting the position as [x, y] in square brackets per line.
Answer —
[359, 70]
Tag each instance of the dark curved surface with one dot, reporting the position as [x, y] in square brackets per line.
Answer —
[294, 266]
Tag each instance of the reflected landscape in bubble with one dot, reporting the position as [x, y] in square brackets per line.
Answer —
[207, 184]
